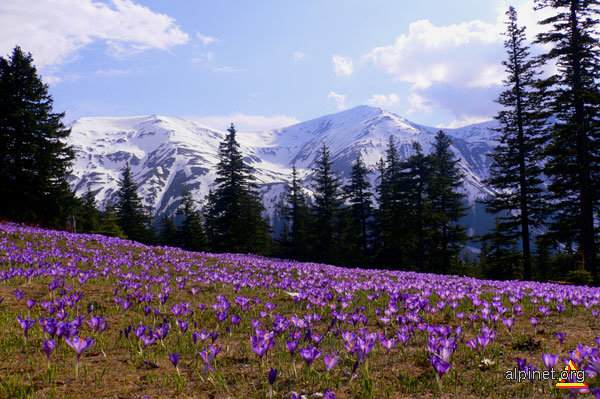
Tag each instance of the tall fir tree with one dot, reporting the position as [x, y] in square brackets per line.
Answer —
[516, 170]
[108, 223]
[168, 231]
[88, 215]
[325, 211]
[295, 212]
[234, 210]
[413, 184]
[191, 235]
[389, 227]
[34, 159]
[573, 97]
[446, 204]
[133, 218]
[357, 193]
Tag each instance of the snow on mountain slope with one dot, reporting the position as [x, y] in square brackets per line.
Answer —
[167, 153]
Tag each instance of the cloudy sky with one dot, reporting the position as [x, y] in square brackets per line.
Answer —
[264, 64]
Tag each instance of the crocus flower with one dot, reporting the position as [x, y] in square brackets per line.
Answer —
[174, 357]
[329, 394]
[48, 346]
[439, 366]
[508, 322]
[330, 360]
[292, 345]
[272, 376]
[549, 360]
[79, 345]
[561, 337]
[30, 303]
[309, 354]
[26, 324]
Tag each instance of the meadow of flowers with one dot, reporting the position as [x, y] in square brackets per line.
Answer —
[91, 316]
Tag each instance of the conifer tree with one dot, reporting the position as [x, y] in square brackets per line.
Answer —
[572, 96]
[328, 202]
[133, 218]
[167, 235]
[389, 223]
[234, 220]
[190, 234]
[515, 172]
[361, 208]
[34, 159]
[88, 216]
[108, 223]
[446, 204]
[296, 214]
[413, 183]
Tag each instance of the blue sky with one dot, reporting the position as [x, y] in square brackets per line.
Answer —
[264, 64]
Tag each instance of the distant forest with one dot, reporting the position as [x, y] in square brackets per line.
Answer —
[549, 131]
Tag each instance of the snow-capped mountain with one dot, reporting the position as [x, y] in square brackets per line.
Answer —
[167, 153]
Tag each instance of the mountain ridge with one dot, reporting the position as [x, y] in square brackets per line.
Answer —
[166, 153]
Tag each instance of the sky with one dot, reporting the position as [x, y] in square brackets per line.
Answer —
[265, 64]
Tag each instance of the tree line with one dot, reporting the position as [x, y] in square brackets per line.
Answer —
[545, 172]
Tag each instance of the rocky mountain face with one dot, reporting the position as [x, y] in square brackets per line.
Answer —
[167, 154]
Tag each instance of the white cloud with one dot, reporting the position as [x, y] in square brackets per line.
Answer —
[299, 55]
[112, 72]
[340, 100]
[467, 120]
[206, 39]
[226, 68]
[246, 123]
[207, 57]
[457, 67]
[53, 31]
[342, 66]
[418, 103]
[51, 80]
[381, 100]
[430, 54]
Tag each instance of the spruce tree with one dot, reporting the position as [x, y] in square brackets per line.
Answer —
[234, 220]
[88, 215]
[191, 235]
[573, 97]
[328, 202]
[296, 214]
[413, 185]
[167, 235]
[108, 223]
[34, 159]
[357, 193]
[516, 169]
[389, 219]
[133, 218]
[446, 204]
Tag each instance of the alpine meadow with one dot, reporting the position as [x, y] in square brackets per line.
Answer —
[234, 250]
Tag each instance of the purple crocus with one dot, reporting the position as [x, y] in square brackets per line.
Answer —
[26, 324]
[549, 360]
[330, 360]
[174, 357]
[272, 376]
[30, 303]
[292, 345]
[48, 347]
[309, 354]
[329, 394]
[561, 337]
[79, 345]
[439, 366]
